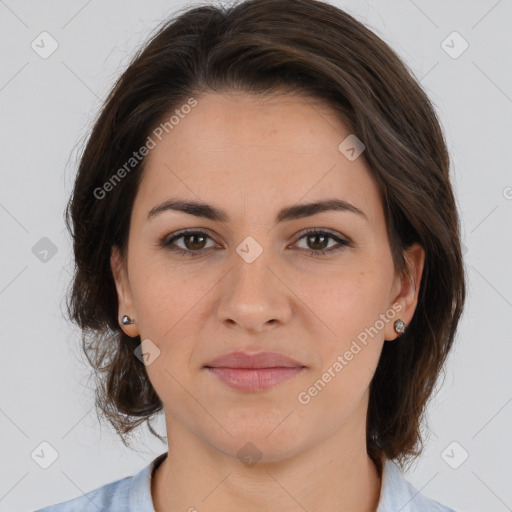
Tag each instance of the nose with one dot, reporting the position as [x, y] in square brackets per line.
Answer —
[254, 296]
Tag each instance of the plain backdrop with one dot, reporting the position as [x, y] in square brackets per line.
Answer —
[47, 107]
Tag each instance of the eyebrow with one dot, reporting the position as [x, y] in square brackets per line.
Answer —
[206, 211]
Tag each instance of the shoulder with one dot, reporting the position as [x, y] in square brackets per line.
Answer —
[107, 498]
[399, 494]
[131, 493]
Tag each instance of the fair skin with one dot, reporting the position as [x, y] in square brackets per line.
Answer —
[252, 156]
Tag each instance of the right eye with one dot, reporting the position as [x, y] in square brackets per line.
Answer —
[193, 242]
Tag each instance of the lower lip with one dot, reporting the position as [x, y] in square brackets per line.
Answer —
[254, 379]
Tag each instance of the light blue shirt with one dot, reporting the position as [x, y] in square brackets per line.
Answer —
[133, 494]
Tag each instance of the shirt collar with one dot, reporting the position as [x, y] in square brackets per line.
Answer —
[399, 495]
[139, 495]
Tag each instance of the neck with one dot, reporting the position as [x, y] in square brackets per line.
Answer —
[335, 476]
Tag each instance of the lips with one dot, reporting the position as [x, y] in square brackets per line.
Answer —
[255, 360]
[254, 372]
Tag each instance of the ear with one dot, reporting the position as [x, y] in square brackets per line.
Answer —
[124, 294]
[406, 289]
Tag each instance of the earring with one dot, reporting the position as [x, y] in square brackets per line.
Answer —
[126, 320]
[399, 327]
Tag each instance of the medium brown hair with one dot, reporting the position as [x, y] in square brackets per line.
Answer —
[261, 47]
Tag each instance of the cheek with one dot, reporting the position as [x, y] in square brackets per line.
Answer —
[348, 301]
[164, 294]
[171, 304]
[352, 307]
[348, 352]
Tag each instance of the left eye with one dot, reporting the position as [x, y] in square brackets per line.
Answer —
[194, 242]
[319, 238]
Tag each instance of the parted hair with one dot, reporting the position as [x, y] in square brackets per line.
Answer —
[262, 47]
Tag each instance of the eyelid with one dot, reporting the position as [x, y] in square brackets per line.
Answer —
[327, 231]
[170, 238]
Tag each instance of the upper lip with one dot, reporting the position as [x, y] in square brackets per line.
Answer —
[241, 359]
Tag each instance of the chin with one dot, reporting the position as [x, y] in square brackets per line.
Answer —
[272, 438]
[252, 450]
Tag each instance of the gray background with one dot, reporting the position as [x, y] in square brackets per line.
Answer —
[47, 107]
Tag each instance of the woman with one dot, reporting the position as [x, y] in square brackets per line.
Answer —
[267, 250]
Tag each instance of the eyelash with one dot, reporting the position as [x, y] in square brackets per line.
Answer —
[168, 241]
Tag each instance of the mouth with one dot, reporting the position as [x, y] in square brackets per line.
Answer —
[254, 372]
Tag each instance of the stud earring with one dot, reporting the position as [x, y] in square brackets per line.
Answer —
[400, 327]
[126, 320]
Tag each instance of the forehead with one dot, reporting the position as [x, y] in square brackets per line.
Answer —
[277, 149]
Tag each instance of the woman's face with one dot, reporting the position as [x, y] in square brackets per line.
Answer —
[255, 281]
